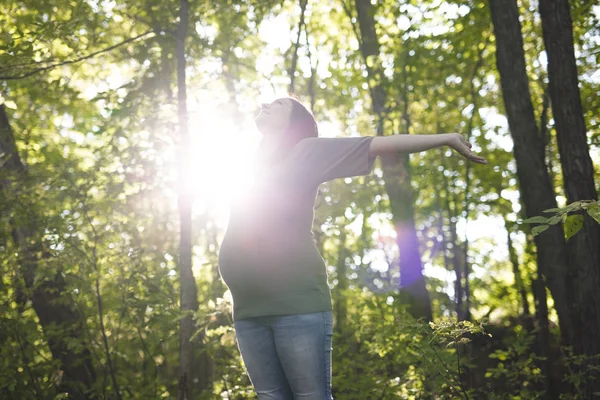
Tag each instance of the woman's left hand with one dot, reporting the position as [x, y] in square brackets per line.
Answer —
[460, 144]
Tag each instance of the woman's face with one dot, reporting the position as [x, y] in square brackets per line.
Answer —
[274, 117]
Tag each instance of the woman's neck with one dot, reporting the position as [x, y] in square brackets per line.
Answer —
[269, 144]
[269, 147]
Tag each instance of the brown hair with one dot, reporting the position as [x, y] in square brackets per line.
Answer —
[302, 125]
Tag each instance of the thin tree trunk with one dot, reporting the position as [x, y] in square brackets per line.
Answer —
[452, 255]
[528, 322]
[455, 257]
[514, 260]
[341, 306]
[189, 294]
[534, 182]
[292, 71]
[443, 209]
[474, 93]
[396, 172]
[94, 260]
[50, 300]
[583, 277]
[312, 82]
[543, 350]
[441, 223]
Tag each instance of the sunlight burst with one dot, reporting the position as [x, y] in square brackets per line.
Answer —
[222, 156]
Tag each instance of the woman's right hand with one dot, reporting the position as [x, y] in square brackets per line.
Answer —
[463, 147]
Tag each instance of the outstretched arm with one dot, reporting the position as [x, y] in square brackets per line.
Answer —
[381, 145]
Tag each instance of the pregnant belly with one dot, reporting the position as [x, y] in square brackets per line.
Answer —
[261, 264]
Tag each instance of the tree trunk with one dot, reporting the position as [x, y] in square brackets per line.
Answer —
[292, 71]
[50, 300]
[583, 278]
[514, 260]
[396, 174]
[538, 288]
[341, 306]
[474, 93]
[189, 294]
[452, 255]
[312, 81]
[534, 181]
[535, 185]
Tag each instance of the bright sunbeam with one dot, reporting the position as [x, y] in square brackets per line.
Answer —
[222, 156]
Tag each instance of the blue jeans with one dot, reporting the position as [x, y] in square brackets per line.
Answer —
[288, 357]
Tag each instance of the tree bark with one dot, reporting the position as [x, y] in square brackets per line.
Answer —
[535, 185]
[312, 81]
[538, 288]
[189, 293]
[341, 306]
[514, 260]
[50, 300]
[537, 191]
[455, 256]
[583, 278]
[474, 93]
[292, 71]
[396, 174]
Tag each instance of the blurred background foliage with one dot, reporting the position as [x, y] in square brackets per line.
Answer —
[89, 233]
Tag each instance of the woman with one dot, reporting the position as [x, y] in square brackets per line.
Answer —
[268, 258]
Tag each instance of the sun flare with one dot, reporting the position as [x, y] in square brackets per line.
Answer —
[222, 157]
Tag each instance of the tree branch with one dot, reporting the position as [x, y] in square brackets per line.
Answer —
[67, 62]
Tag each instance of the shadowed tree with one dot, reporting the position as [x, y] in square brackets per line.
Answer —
[396, 171]
[583, 274]
[189, 293]
[535, 184]
[47, 291]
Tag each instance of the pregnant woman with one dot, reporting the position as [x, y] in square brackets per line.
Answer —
[268, 258]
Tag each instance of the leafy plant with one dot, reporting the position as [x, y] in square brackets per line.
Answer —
[516, 371]
[571, 216]
[579, 369]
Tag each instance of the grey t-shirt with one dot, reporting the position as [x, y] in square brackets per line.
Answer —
[268, 257]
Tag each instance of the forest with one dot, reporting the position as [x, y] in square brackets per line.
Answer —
[127, 128]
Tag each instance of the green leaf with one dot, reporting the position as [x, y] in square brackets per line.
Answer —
[555, 219]
[536, 220]
[10, 104]
[539, 229]
[575, 206]
[573, 224]
[594, 212]
[552, 210]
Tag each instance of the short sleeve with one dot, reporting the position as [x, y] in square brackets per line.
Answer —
[320, 160]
